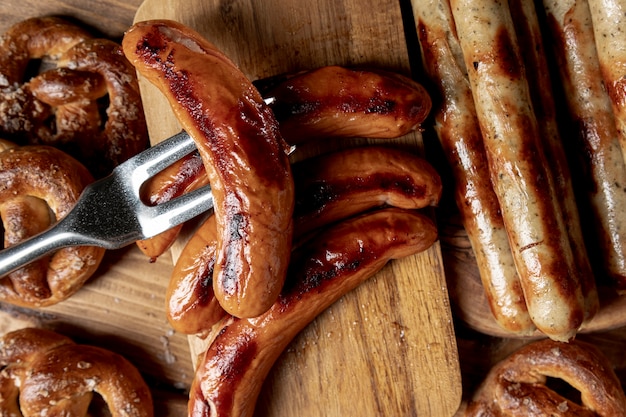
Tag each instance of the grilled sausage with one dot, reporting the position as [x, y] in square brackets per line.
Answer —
[329, 188]
[518, 167]
[191, 306]
[600, 156]
[608, 21]
[342, 183]
[230, 375]
[328, 102]
[541, 93]
[182, 176]
[334, 101]
[243, 153]
[458, 130]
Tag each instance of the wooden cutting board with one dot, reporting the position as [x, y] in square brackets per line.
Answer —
[387, 348]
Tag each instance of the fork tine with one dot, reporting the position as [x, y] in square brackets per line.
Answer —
[158, 157]
[158, 218]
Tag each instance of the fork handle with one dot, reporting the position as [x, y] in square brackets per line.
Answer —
[48, 241]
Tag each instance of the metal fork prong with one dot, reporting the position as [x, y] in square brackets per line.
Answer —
[163, 216]
[158, 157]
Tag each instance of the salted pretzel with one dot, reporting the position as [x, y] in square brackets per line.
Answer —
[517, 386]
[87, 101]
[39, 185]
[46, 373]
[45, 39]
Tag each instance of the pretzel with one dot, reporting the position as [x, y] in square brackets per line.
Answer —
[36, 181]
[124, 132]
[516, 386]
[46, 373]
[45, 38]
[88, 103]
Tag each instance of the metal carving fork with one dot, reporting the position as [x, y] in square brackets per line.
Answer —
[110, 213]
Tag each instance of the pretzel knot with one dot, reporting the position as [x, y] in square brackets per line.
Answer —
[84, 99]
[518, 385]
[44, 373]
[39, 185]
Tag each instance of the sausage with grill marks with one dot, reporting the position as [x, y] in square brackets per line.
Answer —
[518, 167]
[458, 130]
[231, 372]
[243, 152]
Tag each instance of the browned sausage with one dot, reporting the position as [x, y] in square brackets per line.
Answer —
[459, 133]
[230, 375]
[191, 306]
[184, 175]
[609, 19]
[329, 188]
[541, 91]
[342, 183]
[518, 167]
[600, 156]
[354, 109]
[243, 153]
[334, 101]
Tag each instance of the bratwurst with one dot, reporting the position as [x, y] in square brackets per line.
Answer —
[243, 152]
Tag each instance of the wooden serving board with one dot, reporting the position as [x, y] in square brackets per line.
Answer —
[387, 348]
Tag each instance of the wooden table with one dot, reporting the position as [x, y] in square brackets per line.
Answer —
[164, 355]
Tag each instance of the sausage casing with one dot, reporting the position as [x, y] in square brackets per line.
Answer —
[329, 188]
[458, 130]
[343, 183]
[597, 139]
[230, 375]
[609, 19]
[518, 167]
[542, 96]
[184, 175]
[243, 153]
[334, 101]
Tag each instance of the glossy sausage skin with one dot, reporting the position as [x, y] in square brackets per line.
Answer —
[230, 375]
[243, 153]
[334, 101]
[191, 306]
[182, 176]
[458, 130]
[342, 183]
[335, 116]
[329, 188]
[541, 91]
[600, 156]
[518, 168]
[609, 19]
